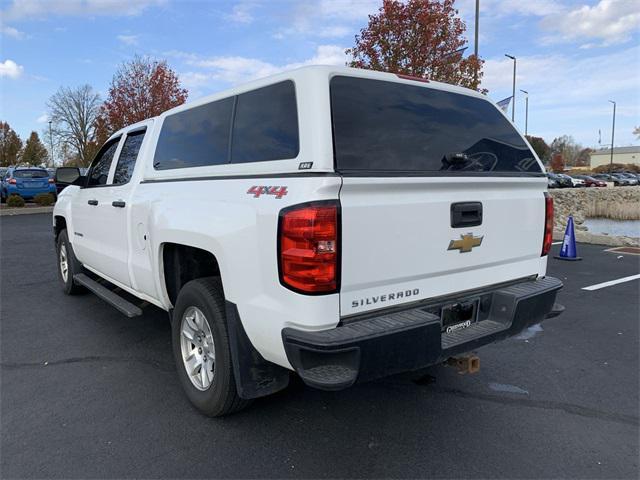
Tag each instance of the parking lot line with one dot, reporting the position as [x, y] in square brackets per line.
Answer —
[557, 243]
[598, 286]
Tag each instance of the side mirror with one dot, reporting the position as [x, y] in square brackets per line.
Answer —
[67, 175]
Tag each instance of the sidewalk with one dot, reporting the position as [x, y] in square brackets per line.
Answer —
[26, 210]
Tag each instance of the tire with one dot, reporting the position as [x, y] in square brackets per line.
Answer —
[64, 252]
[200, 313]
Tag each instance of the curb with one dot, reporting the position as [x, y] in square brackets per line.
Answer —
[9, 212]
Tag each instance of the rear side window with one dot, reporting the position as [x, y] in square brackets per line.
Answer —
[266, 125]
[397, 128]
[99, 170]
[195, 137]
[127, 158]
[30, 174]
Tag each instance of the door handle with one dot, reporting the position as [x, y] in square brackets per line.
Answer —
[118, 203]
[466, 214]
[93, 202]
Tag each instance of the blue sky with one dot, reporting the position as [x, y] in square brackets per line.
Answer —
[573, 56]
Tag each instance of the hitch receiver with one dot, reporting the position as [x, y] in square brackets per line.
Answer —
[465, 364]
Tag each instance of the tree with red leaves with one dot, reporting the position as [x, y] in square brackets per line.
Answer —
[557, 163]
[422, 38]
[140, 89]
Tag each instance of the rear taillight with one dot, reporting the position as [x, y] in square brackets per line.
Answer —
[308, 247]
[13, 181]
[548, 224]
[51, 180]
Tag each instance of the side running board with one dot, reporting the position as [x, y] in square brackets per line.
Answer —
[113, 299]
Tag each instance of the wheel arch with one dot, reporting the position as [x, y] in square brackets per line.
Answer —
[182, 263]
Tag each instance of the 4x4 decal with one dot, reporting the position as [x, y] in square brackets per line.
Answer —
[258, 190]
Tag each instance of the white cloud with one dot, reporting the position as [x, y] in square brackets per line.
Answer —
[241, 12]
[44, 118]
[235, 69]
[328, 18]
[10, 69]
[11, 32]
[609, 22]
[21, 9]
[128, 39]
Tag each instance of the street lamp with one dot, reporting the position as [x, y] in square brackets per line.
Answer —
[513, 96]
[613, 132]
[53, 162]
[526, 109]
[475, 47]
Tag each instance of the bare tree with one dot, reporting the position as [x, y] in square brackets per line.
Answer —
[73, 112]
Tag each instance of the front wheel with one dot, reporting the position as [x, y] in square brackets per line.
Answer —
[68, 265]
[201, 348]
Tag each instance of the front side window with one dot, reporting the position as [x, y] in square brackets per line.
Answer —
[127, 158]
[381, 126]
[195, 137]
[99, 171]
[266, 124]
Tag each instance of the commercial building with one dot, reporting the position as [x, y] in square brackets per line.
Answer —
[620, 155]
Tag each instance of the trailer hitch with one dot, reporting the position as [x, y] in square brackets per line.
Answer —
[464, 364]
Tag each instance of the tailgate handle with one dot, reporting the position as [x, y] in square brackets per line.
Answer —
[466, 214]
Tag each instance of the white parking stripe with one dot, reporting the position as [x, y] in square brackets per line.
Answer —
[556, 243]
[611, 282]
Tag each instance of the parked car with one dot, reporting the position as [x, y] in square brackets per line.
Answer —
[620, 180]
[633, 179]
[551, 182]
[570, 181]
[605, 177]
[26, 182]
[562, 181]
[590, 181]
[252, 217]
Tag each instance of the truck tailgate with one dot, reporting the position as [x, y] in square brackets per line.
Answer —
[399, 245]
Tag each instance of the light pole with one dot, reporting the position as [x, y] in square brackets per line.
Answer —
[613, 133]
[513, 96]
[526, 110]
[53, 162]
[475, 47]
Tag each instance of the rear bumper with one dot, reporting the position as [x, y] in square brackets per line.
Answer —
[405, 340]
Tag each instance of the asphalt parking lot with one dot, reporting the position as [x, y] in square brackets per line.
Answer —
[88, 393]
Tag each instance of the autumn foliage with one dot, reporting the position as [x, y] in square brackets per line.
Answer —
[141, 88]
[419, 38]
[557, 163]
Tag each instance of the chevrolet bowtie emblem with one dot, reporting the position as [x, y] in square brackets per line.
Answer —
[466, 243]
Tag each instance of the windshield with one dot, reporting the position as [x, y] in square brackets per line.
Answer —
[30, 174]
[381, 126]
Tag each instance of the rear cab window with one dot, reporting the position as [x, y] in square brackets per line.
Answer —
[128, 156]
[256, 126]
[383, 127]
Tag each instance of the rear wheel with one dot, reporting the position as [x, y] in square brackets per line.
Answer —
[68, 264]
[201, 348]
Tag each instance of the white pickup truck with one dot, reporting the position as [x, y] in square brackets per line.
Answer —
[344, 224]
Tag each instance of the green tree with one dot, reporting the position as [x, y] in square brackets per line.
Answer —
[10, 145]
[34, 153]
[422, 38]
[540, 147]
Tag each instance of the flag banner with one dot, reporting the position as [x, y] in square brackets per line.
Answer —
[504, 104]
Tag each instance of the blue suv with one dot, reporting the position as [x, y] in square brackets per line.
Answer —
[26, 182]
